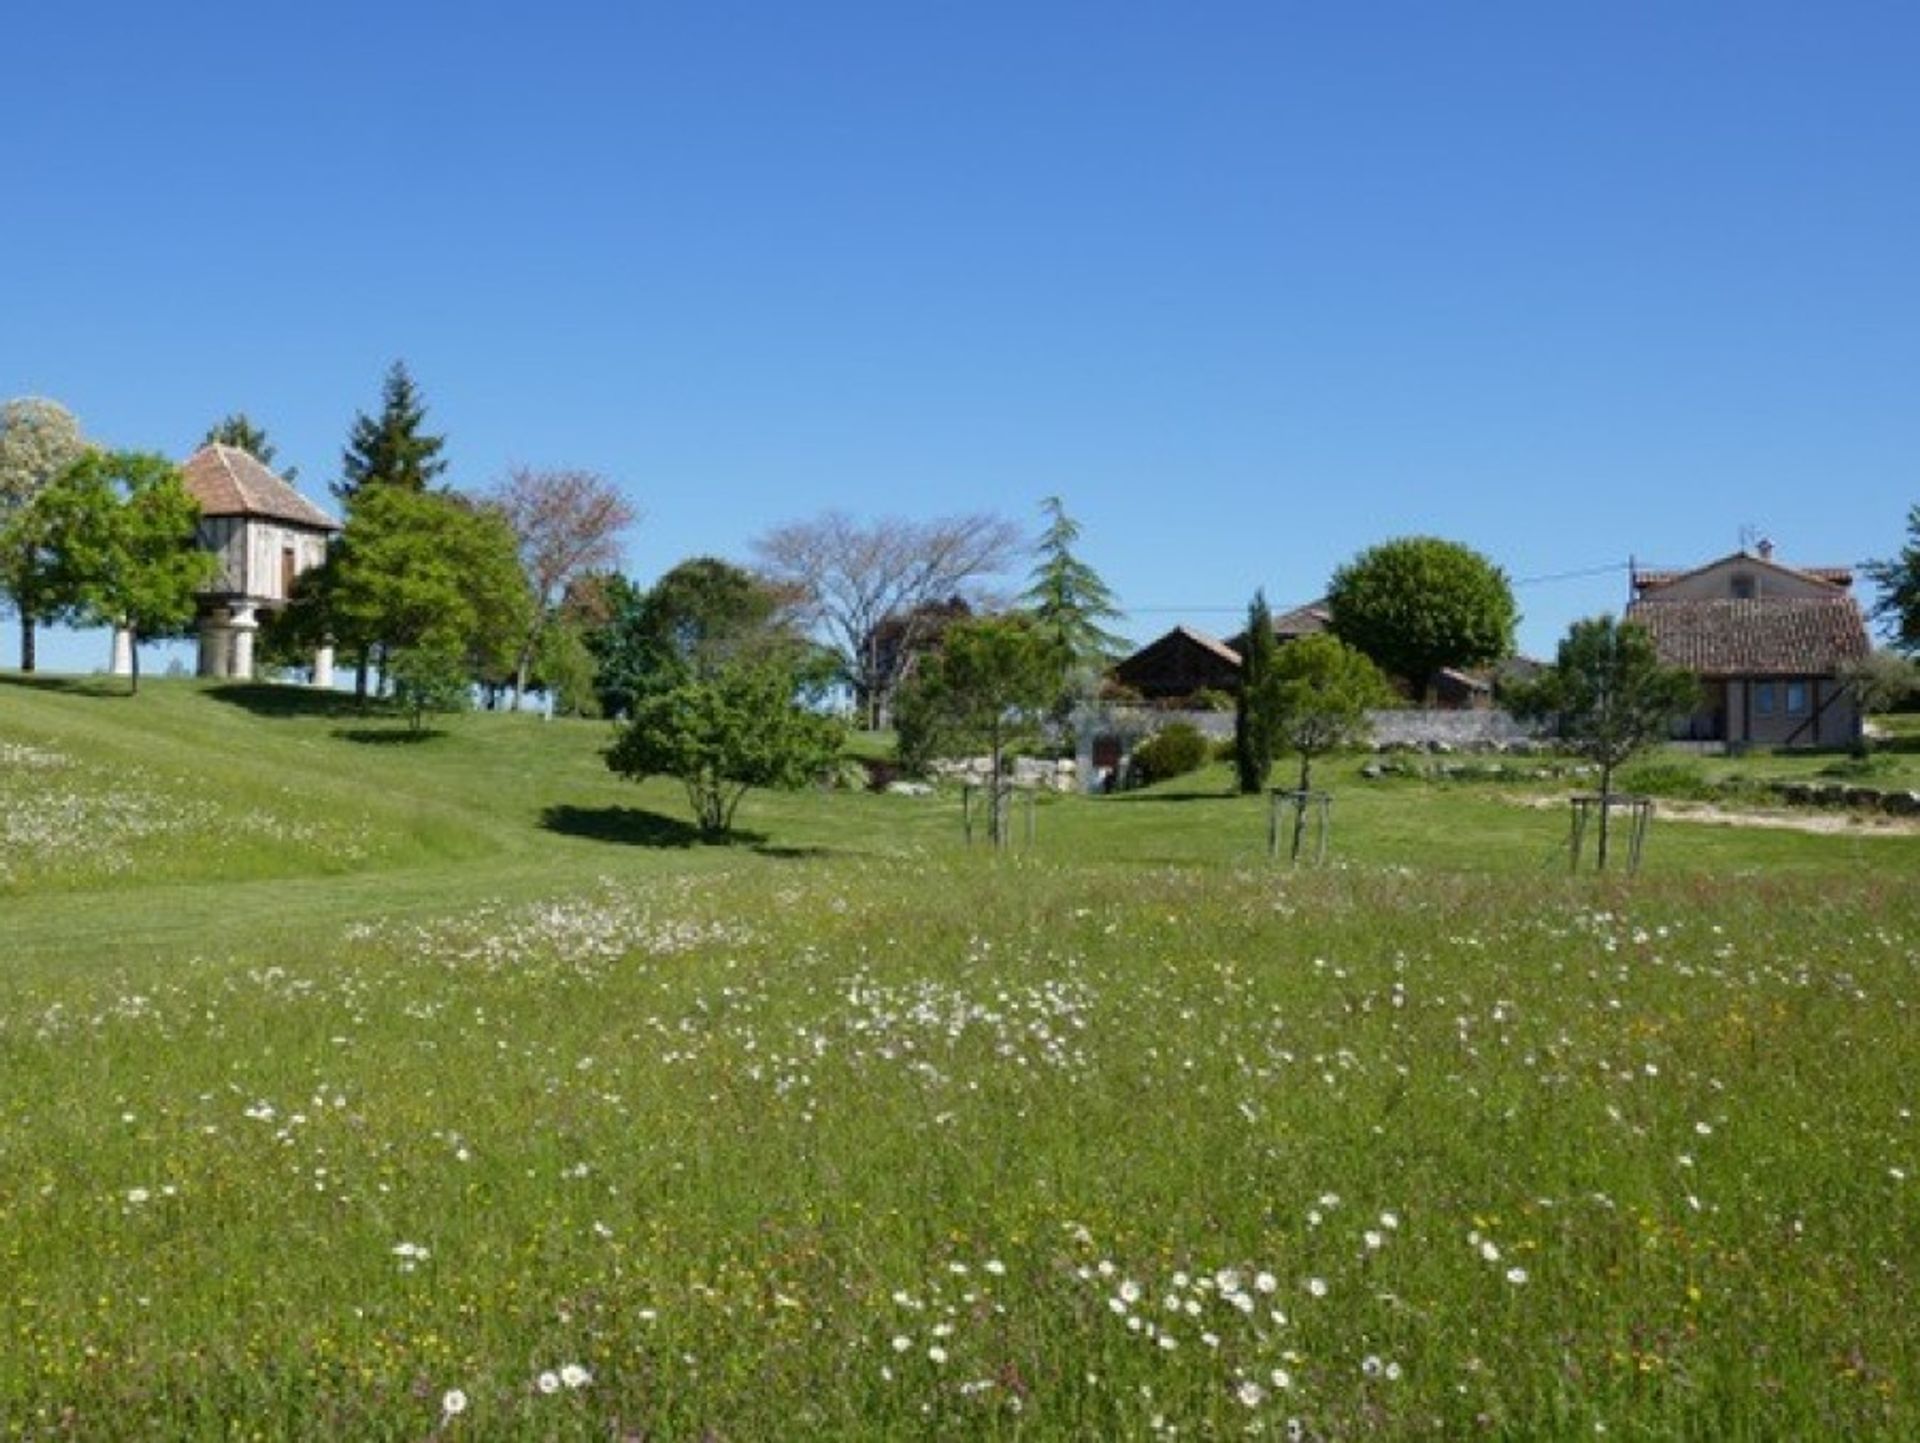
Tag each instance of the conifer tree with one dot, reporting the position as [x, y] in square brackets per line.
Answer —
[1067, 597]
[390, 449]
[239, 432]
[1253, 703]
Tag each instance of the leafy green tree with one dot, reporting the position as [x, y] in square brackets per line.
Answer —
[410, 565]
[1609, 696]
[1318, 697]
[1880, 681]
[391, 449]
[430, 675]
[565, 668]
[1069, 602]
[237, 431]
[750, 721]
[119, 527]
[699, 616]
[1898, 578]
[1419, 604]
[1252, 704]
[38, 441]
[988, 684]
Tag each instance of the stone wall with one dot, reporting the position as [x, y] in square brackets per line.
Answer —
[1406, 729]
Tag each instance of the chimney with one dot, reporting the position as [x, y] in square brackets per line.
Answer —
[1766, 549]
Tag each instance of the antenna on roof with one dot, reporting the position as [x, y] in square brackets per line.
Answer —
[1749, 535]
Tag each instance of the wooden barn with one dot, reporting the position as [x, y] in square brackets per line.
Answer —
[1179, 664]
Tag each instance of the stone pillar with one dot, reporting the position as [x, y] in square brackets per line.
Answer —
[122, 664]
[214, 646]
[323, 668]
[244, 627]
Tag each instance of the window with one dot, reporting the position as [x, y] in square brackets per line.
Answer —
[1763, 698]
[1742, 586]
[1796, 698]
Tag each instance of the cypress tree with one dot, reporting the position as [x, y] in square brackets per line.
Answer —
[1253, 705]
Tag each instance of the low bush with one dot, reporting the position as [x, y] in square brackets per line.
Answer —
[1173, 751]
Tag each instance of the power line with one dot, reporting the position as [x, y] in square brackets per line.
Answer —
[1579, 574]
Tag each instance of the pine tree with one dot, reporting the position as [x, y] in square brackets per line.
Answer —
[1253, 704]
[1068, 601]
[237, 431]
[390, 449]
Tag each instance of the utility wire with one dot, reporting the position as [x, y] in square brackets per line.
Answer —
[1580, 574]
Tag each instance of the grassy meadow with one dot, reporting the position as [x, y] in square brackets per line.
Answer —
[354, 1087]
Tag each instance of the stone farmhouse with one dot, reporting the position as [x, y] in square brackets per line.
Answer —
[1769, 642]
[265, 534]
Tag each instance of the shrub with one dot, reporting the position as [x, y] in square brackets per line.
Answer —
[1211, 698]
[1173, 751]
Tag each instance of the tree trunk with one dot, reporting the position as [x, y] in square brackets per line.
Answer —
[360, 667]
[1606, 810]
[27, 641]
[1300, 805]
[133, 658]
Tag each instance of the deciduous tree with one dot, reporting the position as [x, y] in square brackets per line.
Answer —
[119, 527]
[752, 721]
[989, 681]
[1608, 695]
[852, 577]
[410, 565]
[39, 440]
[568, 524]
[1419, 604]
[1320, 692]
[1898, 578]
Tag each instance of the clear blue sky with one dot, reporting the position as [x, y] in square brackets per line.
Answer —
[1252, 286]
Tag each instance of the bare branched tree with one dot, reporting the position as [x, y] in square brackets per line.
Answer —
[568, 523]
[853, 577]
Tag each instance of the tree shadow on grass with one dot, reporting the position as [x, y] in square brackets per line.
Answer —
[637, 827]
[634, 827]
[99, 688]
[386, 736]
[1139, 797]
[278, 703]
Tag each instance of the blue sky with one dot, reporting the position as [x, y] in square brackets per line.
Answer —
[1251, 286]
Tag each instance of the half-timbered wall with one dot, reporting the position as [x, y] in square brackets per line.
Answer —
[258, 558]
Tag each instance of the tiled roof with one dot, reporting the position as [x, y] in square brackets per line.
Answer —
[1209, 643]
[1308, 620]
[1652, 580]
[1772, 636]
[227, 481]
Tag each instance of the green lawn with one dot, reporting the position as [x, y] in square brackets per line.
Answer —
[343, 1078]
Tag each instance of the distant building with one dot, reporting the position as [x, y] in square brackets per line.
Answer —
[1769, 643]
[264, 534]
[1178, 666]
[1186, 661]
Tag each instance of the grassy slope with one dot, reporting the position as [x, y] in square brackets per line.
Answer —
[693, 1116]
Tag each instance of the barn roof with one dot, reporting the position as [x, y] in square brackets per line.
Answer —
[1771, 636]
[227, 481]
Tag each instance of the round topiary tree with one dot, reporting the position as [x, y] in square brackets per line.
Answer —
[1419, 604]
